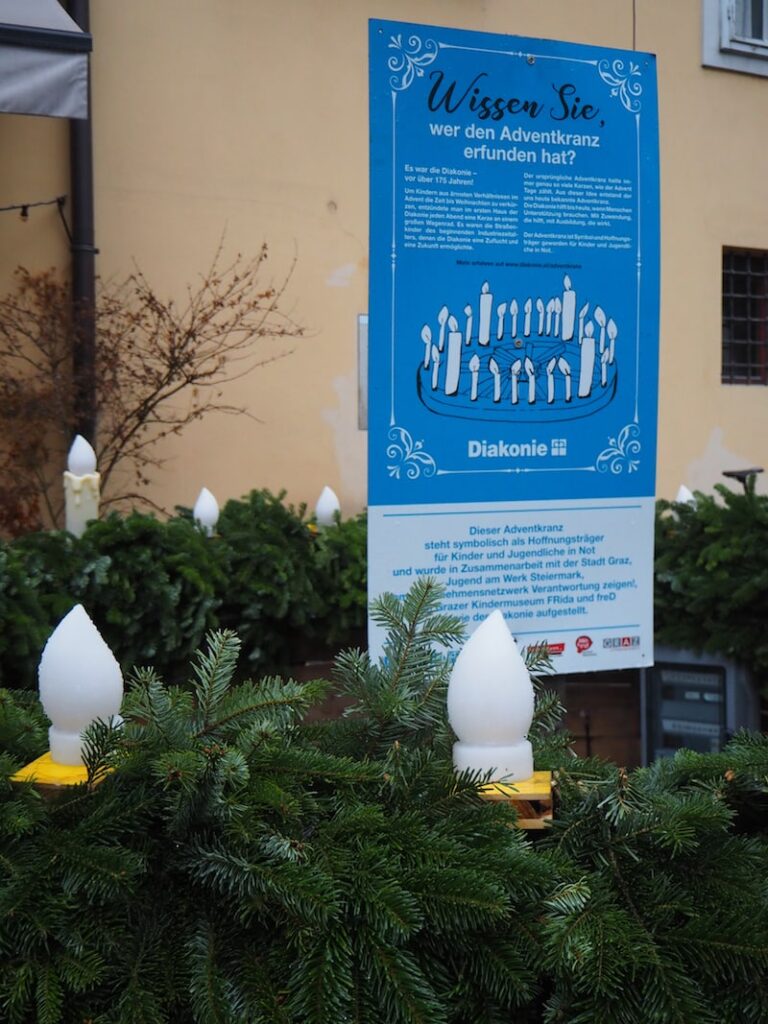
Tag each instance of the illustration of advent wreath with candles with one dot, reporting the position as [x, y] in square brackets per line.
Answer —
[537, 360]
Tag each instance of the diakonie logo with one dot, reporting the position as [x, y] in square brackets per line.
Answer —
[500, 449]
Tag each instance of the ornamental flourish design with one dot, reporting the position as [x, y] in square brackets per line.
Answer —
[623, 81]
[410, 61]
[618, 456]
[408, 456]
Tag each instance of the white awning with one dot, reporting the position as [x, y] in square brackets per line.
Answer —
[43, 60]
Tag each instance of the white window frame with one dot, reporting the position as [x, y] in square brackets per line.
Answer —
[723, 47]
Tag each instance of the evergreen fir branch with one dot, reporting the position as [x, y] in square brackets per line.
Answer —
[274, 700]
[320, 989]
[213, 671]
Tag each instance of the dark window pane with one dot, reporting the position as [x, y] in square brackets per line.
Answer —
[745, 317]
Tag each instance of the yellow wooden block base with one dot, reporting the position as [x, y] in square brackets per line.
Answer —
[532, 798]
[50, 777]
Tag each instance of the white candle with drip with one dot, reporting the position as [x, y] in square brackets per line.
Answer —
[612, 331]
[540, 311]
[80, 681]
[600, 317]
[493, 366]
[587, 367]
[530, 370]
[582, 316]
[569, 309]
[442, 319]
[81, 487]
[435, 366]
[453, 365]
[527, 321]
[565, 368]
[426, 337]
[468, 315]
[500, 311]
[551, 379]
[490, 705]
[513, 310]
[474, 369]
[515, 372]
[486, 307]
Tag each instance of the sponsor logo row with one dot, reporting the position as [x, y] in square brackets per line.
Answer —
[586, 645]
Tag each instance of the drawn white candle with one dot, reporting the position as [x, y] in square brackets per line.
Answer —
[551, 379]
[540, 311]
[565, 368]
[442, 318]
[599, 316]
[550, 311]
[530, 369]
[604, 368]
[435, 366]
[486, 308]
[513, 310]
[527, 322]
[468, 329]
[493, 366]
[582, 316]
[426, 337]
[515, 369]
[453, 366]
[613, 330]
[569, 309]
[474, 369]
[558, 309]
[501, 309]
[587, 367]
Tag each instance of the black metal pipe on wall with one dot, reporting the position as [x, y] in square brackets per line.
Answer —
[83, 255]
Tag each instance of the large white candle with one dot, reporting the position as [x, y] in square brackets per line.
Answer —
[486, 308]
[569, 309]
[587, 367]
[453, 365]
[81, 487]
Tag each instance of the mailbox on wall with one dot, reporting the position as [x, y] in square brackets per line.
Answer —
[695, 702]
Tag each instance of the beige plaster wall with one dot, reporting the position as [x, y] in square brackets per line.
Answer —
[248, 119]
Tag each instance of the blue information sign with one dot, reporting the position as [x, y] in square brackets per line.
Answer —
[513, 335]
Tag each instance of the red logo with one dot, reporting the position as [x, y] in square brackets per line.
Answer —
[583, 643]
[556, 648]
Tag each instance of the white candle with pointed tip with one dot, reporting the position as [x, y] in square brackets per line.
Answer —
[468, 329]
[426, 337]
[604, 368]
[565, 368]
[474, 369]
[550, 311]
[527, 321]
[558, 310]
[206, 511]
[685, 496]
[513, 311]
[530, 370]
[486, 308]
[501, 310]
[551, 379]
[493, 366]
[540, 311]
[600, 317]
[582, 316]
[328, 508]
[80, 681]
[569, 309]
[490, 705]
[453, 364]
[612, 331]
[81, 487]
[442, 319]
[587, 366]
[435, 367]
[515, 369]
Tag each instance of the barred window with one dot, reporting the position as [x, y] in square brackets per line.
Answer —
[745, 317]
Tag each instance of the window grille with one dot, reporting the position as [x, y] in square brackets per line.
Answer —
[745, 317]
